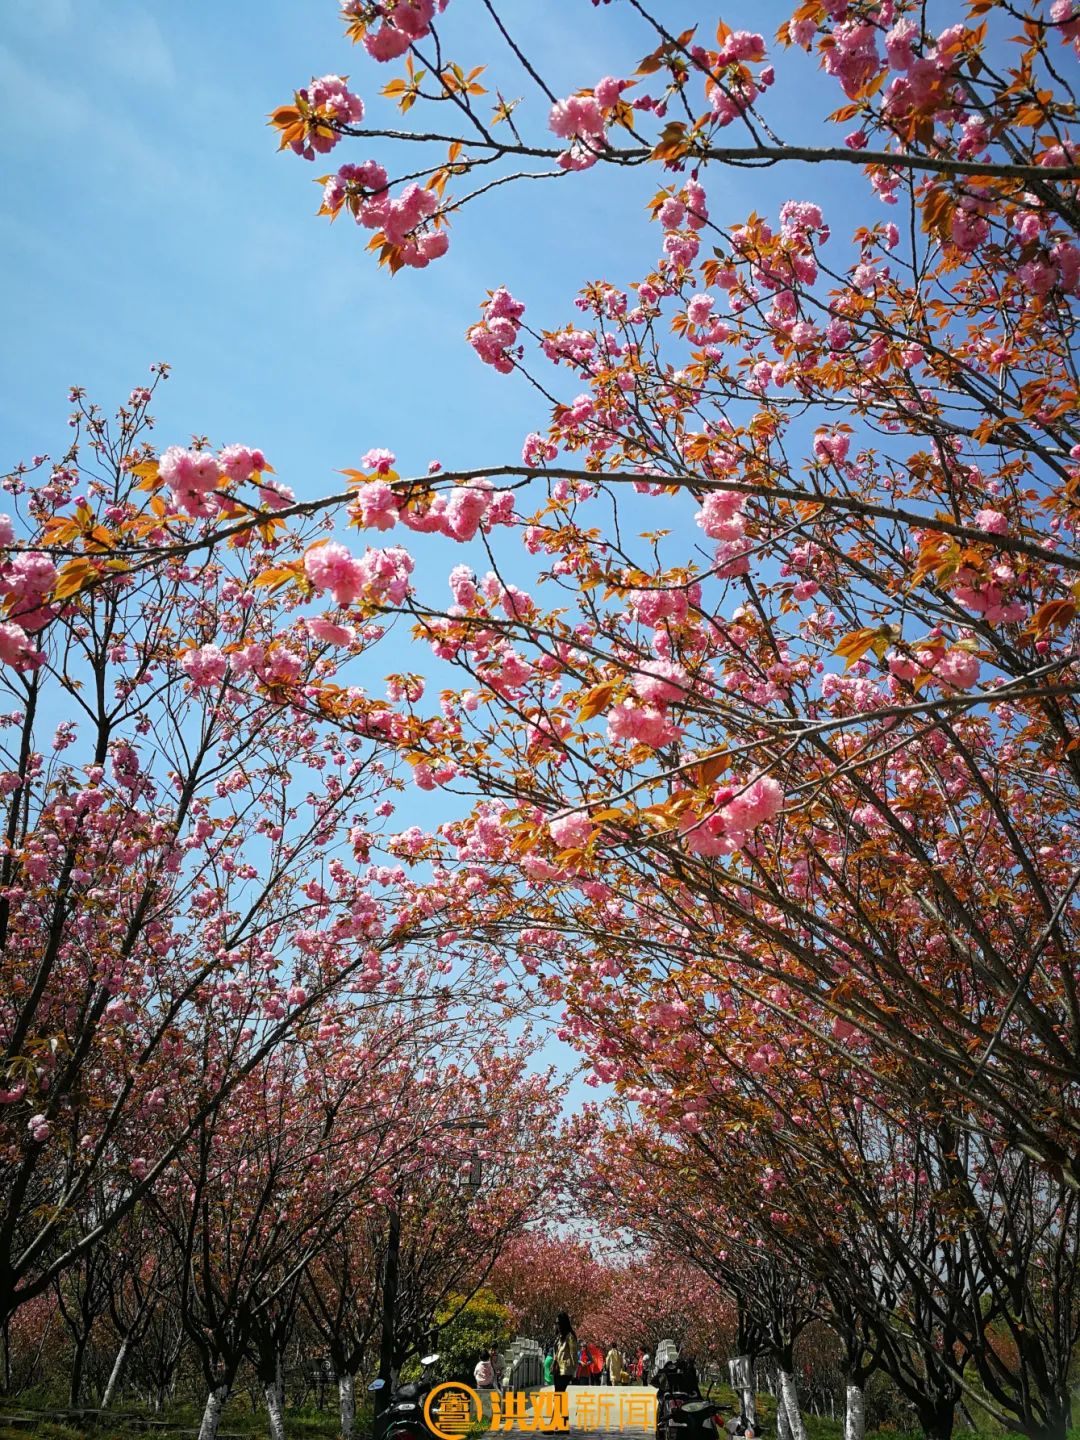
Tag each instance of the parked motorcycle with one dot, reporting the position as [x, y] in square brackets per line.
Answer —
[681, 1412]
[403, 1417]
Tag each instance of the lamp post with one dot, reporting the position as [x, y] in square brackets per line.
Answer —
[391, 1262]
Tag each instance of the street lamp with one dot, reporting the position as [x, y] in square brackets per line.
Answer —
[391, 1265]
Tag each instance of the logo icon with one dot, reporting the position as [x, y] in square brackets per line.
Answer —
[452, 1409]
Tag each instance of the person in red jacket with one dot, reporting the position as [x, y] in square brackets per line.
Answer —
[595, 1357]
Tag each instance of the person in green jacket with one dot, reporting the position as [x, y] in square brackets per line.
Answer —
[549, 1368]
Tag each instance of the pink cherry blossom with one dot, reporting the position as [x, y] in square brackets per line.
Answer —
[239, 462]
[191, 475]
[494, 336]
[465, 510]
[852, 57]
[329, 100]
[327, 630]
[205, 666]
[376, 505]
[958, 668]
[661, 682]
[608, 90]
[992, 521]
[718, 510]
[535, 450]
[571, 830]
[831, 446]
[39, 1128]
[641, 724]
[16, 647]
[28, 579]
[331, 567]
[378, 460]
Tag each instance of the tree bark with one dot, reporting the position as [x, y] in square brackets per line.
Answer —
[275, 1410]
[783, 1429]
[346, 1405]
[854, 1413]
[789, 1398]
[742, 1380]
[215, 1404]
[77, 1361]
[116, 1372]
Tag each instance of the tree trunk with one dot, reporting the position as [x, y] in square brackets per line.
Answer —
[936, 1417]
[347, 1405]
[789, 1398]
[77, 1361]
[783, 1429]
[1057, 1423]
[854, 1414]
[215, 1404]
[742, 1381]
[116, 1372]
[275, 1410]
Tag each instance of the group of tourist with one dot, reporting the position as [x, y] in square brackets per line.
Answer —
[567, 1361]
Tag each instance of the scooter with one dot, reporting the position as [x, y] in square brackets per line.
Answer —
[403, 1417]
[681, 1412]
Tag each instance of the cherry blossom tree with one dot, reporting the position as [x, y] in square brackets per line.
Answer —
[541, 1273]
[774, 765]
[818, 717]
[186, 862]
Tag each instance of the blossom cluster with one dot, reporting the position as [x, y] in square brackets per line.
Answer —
[325, 104]
[400, 24]
[494, 337]
[738, 810]
[26, 580]
[196, 478]
[377, 576]
[404, 220]
[459, 513]
[732, 88]
[682, 215]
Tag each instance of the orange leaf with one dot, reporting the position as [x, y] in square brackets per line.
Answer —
[275, 577]
[852, 647]
[596, 700]
[72, 577]
[1055, 614]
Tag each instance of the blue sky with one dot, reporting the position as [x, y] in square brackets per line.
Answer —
[147, 215]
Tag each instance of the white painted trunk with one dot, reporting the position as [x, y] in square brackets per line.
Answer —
[741, 1368]
[215, 1404]
[115, 1373]
[347, 1405]
[275, 1410]
[783, 1429]
[854, 1414]
[790, 1395]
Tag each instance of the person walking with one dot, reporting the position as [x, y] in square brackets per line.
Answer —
[565, 1354]
[497, 1367]
[595, 1363]
[549, 1367]
[616, 1374]
[484, 1371]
